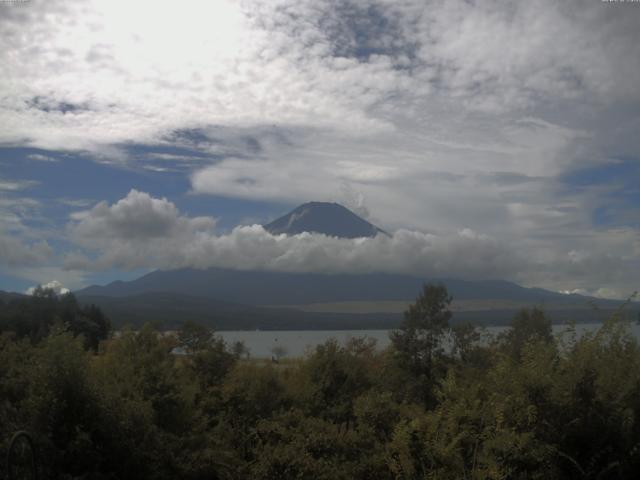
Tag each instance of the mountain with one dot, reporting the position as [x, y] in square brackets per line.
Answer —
[234, 299]
[6, 297]
[252, 287]
[227, 298]
[169, 310]
[330, 219]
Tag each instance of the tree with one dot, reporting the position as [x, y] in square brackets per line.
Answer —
[528, 325]
[34, 317]
[194, 337]
[420, 335]
[419, 339]
[90, 322]
[207, 354]
[335, 377]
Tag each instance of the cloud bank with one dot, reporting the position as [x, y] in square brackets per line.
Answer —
[141, 231]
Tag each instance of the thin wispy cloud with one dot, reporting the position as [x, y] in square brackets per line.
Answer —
[16, 185]
[41, 158]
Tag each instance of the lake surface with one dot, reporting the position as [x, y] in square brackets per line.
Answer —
[298, 342]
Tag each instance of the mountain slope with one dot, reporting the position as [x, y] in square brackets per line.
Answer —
[279, 288]
[8, 296]
[330, 219]
[169, 310]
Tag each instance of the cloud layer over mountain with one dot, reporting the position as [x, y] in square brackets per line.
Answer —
[166, 239]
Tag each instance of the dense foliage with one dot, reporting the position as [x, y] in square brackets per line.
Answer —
[34, 317]
[523, 405]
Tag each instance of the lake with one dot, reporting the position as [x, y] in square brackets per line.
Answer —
[297, 342]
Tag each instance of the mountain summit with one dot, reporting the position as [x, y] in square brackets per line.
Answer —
[330, 219]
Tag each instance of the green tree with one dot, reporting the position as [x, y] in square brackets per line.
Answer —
[35, 316]
[419, 340]
[63, 406]
[528, 325]
[207, 354]
[335, 376]
[194, 337]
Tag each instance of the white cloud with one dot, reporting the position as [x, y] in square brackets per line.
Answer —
[138, 216]
[41, 274]
[16, 185]
[462, 254]
[19, 244]
[76, 77]
[180, 241]
[141, 231]
[15, 251]
[316, 64]
[54, 285]
[413, 177]
[370, 92]
[41, 158]
[75, 202]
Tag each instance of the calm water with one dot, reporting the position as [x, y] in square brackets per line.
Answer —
[297, 342]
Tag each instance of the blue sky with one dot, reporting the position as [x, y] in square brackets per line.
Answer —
[497, 140]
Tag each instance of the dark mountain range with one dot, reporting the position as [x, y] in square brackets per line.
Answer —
[278, 288]
[232, 299]
[330, 219]
[169, 310]
[8, 296]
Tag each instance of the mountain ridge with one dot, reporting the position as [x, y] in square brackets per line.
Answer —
[252, 287]
[262, 287]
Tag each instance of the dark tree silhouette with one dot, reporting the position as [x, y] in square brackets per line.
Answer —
[419, 340]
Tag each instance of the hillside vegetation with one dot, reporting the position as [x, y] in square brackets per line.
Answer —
[524, 405]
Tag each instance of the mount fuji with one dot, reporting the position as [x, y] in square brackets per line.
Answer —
[237, 299]
[331, 219]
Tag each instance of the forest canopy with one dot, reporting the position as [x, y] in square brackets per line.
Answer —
[524, 404]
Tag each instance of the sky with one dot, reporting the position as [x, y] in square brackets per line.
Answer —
[493, 139]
